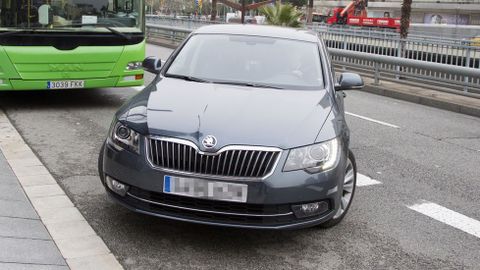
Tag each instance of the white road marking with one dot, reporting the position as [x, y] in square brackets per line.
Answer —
[79, 245]
[372, 120]
[363, 180]
[138, 88]
[449, 217]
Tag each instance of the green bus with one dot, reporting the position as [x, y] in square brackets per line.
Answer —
[63, 44]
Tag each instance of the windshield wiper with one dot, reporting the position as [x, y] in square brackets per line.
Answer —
[104, 25]
[187, 78]
[196, 79]
[249, 84]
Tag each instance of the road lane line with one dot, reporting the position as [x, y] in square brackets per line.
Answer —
[79, 244]
[372, 120]
[449, 217]
[138, 88]
[363, 180]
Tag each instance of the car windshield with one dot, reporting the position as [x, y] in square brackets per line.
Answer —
[250, 60]
[72, 15]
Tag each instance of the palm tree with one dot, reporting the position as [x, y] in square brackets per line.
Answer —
[282, 15]
[405, 24]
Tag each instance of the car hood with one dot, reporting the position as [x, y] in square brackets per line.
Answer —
[235, 114]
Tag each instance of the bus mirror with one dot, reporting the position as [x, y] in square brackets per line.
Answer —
[152, 64]
[45, 17]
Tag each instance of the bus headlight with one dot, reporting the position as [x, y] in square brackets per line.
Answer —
[134, 66]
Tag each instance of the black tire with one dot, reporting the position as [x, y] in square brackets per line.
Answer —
[335, 220]
[100, 164]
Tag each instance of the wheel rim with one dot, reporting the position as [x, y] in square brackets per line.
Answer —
[348, 187]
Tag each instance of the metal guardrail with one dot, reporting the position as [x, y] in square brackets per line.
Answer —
[459, 52]
[443, 77]
[178, 22]
[169, 35]
[417, 31]
[461, 79]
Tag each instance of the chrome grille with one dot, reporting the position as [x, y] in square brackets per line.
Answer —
[238, 161]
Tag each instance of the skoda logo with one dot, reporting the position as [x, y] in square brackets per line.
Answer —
[209, 141]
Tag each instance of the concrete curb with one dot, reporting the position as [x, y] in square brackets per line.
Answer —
[432, 98]
[78, 243]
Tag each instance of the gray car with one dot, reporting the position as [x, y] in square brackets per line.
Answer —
[243, 126]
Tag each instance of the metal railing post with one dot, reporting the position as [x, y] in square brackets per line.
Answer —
[345, 48]
[376, 76]
[467, 64]
[399, 54]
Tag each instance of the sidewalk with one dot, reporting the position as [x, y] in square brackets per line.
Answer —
[40, 227]
[24, 241]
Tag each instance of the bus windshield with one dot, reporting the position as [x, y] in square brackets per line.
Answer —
[72, 15]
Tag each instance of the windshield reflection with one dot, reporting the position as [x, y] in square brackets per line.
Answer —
[88, 15]
[252, 61]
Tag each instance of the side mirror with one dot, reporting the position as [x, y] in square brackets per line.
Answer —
[152, 65]
[349, 81]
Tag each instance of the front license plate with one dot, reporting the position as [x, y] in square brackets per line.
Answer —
[65, 84]
[205, 189]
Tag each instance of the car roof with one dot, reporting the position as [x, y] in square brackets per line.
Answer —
[259, 30]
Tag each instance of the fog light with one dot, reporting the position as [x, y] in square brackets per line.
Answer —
[117, 187]
[310, 209]
[1, 81]
[129, 78]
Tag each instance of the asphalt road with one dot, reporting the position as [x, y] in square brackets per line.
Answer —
[426, 162]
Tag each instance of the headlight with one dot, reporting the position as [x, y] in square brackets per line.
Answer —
[124, 137]
[134, 66]
[314, 158]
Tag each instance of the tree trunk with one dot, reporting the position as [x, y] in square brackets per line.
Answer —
[404, 26]
[310, 11]
[405, 19]
[405, 23]
[243, 11]
[213, 16]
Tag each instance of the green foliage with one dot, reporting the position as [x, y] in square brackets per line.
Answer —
[296, 3]
[282, 15]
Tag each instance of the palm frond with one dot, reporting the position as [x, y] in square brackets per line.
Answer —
[282, 15]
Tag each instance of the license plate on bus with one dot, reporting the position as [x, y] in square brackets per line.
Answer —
[199, 188]
[65, 84]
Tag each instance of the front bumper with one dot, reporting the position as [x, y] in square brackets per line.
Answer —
[268, 206]
[89, 83]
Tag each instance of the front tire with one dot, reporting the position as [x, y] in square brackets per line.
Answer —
[348, 190]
